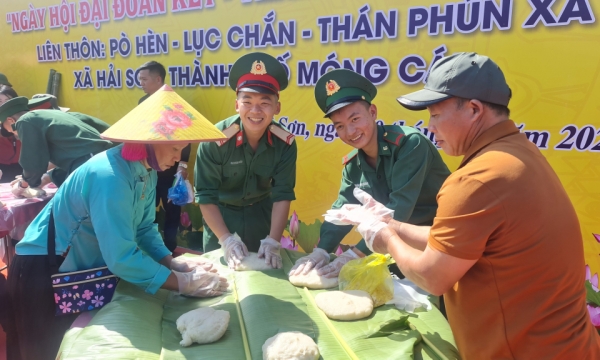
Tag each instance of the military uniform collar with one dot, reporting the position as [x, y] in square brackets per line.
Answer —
[241, 139]
[496, 132]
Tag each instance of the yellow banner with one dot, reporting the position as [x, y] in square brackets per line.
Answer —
[548, 51]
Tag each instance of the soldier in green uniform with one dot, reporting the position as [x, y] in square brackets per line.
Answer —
[49, 102]
[245, 184]
[48, 136]
[396, 165]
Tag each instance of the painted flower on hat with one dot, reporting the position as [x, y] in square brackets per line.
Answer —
[176, 119]
[258, 68]
[332, 87]
[161, 127]
[171, 120]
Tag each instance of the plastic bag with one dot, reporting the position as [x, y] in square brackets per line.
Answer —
[179, 193]
[369, 274]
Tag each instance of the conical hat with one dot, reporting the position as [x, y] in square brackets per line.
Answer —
[164, 117]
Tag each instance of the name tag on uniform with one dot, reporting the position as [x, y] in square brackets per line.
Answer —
[237, 162]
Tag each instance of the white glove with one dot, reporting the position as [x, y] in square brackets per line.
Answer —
[27, 192]
[188, 263]
[369, 229]
[371, 205]
[333, 270]
[234, 249]
[269, 250]
[408, 296]
[200, 283]
[317, 259]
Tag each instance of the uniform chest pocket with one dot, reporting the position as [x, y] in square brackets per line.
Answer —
[234, 171]
[264, 175]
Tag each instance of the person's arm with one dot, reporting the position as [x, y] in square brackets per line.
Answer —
[213, 218]
[208, 174]
[35, 154]
[148, 237]
[283, 183]
[431, 270]
[331, 235]
[279, 217]
[110, 201]
[469, 215]
[411, 168]
[183, 167]
[413, 235]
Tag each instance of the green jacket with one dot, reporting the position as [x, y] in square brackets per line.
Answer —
[243, 183]
[409, 174]
[233, 174]
[57, 137]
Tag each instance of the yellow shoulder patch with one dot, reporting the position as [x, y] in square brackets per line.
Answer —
[229, 133]
[283, 134]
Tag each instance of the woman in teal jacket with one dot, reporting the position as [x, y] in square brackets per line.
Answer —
[104, 216]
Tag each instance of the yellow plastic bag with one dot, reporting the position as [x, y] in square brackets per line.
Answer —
[369, 274]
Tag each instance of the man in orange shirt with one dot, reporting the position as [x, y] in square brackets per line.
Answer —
[505, 248]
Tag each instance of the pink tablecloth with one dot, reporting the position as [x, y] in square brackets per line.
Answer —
[17, 213]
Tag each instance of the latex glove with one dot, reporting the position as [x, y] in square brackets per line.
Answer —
[408, 296]
[333, 270]
[26, 192]
[234, 250]
[348, 214]
[16, 180]
[372, 206]
[200, 283]
[369, 229]
[269, 250]
[317, 259]
[188, 263]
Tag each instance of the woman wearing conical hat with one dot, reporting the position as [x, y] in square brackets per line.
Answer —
[103, 215]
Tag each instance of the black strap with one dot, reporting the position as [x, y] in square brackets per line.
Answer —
[52, 243]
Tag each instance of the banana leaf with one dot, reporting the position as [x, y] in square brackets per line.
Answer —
[136, 325]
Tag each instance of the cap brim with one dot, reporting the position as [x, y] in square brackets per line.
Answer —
[257, 89]
[420, 100]
[337, 107]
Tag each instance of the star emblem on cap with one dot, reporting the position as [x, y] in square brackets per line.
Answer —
[258, 68]
[332, 87]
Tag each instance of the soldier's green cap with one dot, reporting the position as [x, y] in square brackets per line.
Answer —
[258, 72]
[13, 106]
[465, 75]
[342, 87]
[4, 80]
[44, 102]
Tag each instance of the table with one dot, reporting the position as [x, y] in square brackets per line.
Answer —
[16, 214]
[137, 325]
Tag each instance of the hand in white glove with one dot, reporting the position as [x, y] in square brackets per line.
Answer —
[372, 206]
[269, 250]
[317, 259]
[189, 263]
[26, 192]
[369, 229]
[16, 180]
[234, 250]
[200, 283]
[333, 270]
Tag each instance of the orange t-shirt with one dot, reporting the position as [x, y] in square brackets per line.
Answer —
[524, 298]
